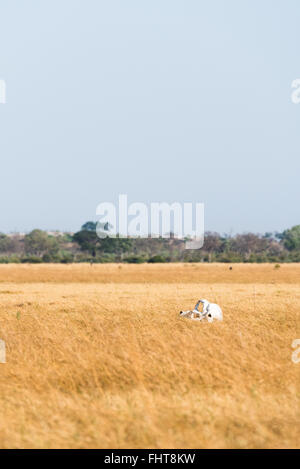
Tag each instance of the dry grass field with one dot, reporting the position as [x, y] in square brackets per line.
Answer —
[97, 356]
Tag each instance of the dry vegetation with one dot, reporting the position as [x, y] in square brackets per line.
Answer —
[98, 357]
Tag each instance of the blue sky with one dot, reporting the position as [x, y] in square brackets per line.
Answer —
[162, 100]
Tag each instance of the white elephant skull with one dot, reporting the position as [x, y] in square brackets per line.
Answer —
[210, 311]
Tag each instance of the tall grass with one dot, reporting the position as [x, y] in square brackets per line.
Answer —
[97, 356]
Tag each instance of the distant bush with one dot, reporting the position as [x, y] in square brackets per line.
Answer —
[47, 258]
[230, 257]
[4, 260]
[158, 259]
[31, 260]
[134, 260]
[67, 259]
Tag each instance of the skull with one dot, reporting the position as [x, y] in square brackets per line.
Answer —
[214, 312]
[210, 311]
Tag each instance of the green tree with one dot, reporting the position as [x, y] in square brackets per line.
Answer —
[88, 241]
[6, 243]
[291, 238]
[116, 245]
[89, 226]
[39, 243]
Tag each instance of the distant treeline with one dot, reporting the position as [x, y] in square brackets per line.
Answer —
[85, 246]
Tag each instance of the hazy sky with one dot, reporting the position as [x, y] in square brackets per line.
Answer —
[164, 100]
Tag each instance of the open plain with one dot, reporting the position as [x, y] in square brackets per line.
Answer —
[97, 356]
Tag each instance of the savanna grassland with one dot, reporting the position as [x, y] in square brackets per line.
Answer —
[97, 356]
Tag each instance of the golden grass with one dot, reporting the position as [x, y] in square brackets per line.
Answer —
[98, 357]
